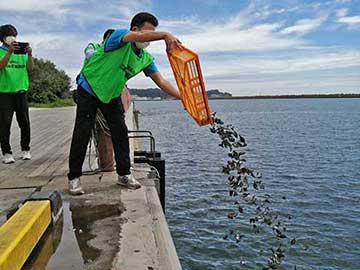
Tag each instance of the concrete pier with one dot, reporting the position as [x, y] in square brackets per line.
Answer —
[107, 228]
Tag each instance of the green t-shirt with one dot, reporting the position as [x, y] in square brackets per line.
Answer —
[14, 77]
[107, 72]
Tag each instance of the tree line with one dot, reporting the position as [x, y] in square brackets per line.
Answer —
[48, 83]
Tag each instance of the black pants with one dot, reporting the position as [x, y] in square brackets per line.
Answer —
[10, 103]
[113, 112]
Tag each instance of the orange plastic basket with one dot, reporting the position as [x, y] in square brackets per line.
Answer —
[186, 67]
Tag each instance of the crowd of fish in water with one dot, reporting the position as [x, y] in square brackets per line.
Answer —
[250, 199]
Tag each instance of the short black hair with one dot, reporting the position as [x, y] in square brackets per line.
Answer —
[7, 30]
[108, 33]
[141, 18]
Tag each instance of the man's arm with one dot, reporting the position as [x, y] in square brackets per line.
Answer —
[144, 36]
[164, 84]
[30, 62]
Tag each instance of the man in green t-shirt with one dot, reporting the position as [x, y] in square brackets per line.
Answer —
[100, 84]
[14, 83]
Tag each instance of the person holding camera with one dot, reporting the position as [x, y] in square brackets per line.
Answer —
[15, 62]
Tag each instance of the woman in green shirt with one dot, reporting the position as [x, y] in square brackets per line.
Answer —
[14, 83]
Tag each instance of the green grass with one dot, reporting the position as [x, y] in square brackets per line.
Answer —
[58, 103]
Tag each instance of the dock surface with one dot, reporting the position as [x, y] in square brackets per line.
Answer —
[107, 228]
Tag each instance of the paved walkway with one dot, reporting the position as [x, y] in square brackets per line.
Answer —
[51, 131]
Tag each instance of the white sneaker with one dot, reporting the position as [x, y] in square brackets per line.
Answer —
[75, 187]
[8, 159]
[128, 181]
[25, 155]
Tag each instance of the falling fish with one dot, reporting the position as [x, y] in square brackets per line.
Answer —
[246, 184]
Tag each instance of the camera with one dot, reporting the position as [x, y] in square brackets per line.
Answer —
[21, 48]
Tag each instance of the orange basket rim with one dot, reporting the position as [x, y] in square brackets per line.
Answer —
[182, 48]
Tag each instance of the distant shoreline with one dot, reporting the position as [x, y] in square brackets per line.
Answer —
[292, 96]
[268, 97]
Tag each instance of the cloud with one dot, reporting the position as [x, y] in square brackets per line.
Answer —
[229, 37]
[59, 30]
[304, 71]
[271, 64]
[351, 20]
[71, 14]
[33, 5]
[65, 49]
[260, 46]
[226, 38]
[253, 53]
[342, 12]
[209, 2]
[304, 26]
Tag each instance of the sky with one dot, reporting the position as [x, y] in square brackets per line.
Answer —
[252, 47]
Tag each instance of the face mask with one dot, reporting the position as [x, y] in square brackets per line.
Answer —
[142, 45]
[9, 40]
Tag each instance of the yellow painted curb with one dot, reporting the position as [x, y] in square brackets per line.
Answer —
[20, 234]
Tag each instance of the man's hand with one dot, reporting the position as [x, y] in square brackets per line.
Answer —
[171, 42]
[28, 50]
[13, 46]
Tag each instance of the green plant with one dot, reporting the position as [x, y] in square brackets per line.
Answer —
[47, 83]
